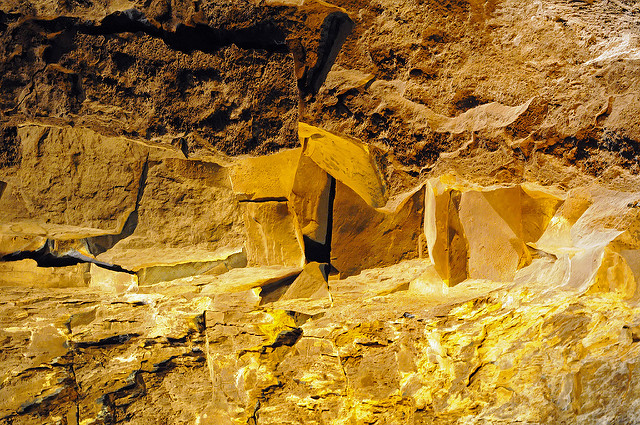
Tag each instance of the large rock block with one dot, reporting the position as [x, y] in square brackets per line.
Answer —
[291, 177]
[273, 235]
[26, 273]
[187, 212]
[364, 237]
[71, 183]
[482, 233]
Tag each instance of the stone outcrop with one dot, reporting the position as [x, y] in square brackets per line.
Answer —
[464, 243]
[288, 211]
[557, 77]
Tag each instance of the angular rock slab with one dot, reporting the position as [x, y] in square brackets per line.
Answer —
[347, 160]
[311, 283]
[273, 235]
[71, 182]
[364, 237]
[292, 176]
[244, 279]
[446, 241]
[112, 281]
[156, 274]
[187, 213]
[311, 200]
[481, 233]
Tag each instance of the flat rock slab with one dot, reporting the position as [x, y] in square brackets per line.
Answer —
[187, 212]
[71, 182]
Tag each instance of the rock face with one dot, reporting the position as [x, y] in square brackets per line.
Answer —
[288, 211]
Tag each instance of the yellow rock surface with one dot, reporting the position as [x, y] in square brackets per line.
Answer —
[310, 199]
[265, 177]
[187, 213]
[61, 187]
[273, 235]
[347, 160]
[112, 281]
[491, 245]
[27, 273]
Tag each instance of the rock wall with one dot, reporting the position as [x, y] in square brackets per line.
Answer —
[284, 212]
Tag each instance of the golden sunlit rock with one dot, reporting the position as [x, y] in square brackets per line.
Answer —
[297, 212]
[348, 161]
[481, 233]
[273, 235]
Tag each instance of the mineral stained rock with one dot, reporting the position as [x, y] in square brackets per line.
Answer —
[290, 211]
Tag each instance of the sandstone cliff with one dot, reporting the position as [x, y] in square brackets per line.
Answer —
[290, 211]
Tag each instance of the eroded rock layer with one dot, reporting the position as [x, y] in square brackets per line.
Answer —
[285, 212]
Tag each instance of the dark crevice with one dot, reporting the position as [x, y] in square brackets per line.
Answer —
[287, 338]
[262, 35]
[264, 199]
[112, 340]
[265, 35]
[473, 374]
[46, 257]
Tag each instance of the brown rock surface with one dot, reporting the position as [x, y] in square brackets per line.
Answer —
[61, 188]
[364, 237]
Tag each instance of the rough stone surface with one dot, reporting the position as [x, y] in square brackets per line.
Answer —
[61, 187]
[364, 237]
[187, 212]
[288, 211]
[517, 79]
[273, 234]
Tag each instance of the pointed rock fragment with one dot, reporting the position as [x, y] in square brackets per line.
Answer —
[446, 241]
[347, 160]
[311, 283]
[310, 199]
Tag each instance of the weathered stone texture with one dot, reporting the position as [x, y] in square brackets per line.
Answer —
[204, 220]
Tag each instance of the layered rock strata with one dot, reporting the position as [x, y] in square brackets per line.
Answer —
[204, 220]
